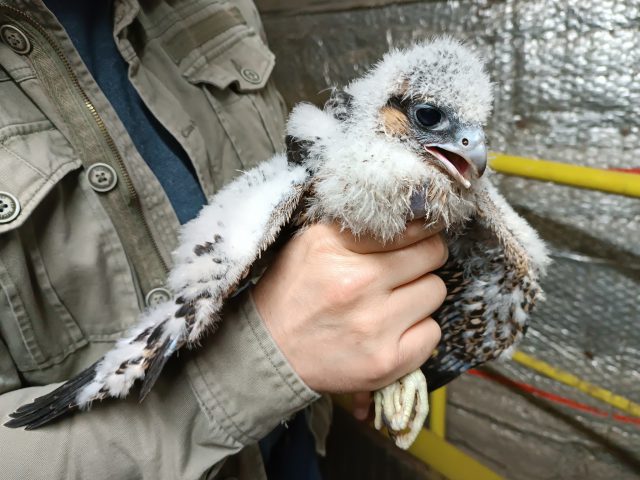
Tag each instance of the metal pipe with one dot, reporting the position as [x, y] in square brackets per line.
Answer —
[448, 460]
[594, 391]
[438, 412]
[610, 181]
[443, 457]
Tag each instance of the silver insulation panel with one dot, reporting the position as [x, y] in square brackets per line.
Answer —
[567, 83]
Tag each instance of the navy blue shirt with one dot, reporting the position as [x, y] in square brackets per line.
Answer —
[89, 26]
[288, 452]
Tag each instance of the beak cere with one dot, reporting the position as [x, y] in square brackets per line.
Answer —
[463, 159]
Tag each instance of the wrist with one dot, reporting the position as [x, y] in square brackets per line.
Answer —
[243, 374]
[286, 341]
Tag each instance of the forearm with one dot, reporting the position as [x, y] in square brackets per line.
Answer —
[207, 406]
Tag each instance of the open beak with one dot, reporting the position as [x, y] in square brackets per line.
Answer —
[465, 158]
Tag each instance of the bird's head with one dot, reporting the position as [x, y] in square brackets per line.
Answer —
[435, 98]
[455, 147]
[404, 141]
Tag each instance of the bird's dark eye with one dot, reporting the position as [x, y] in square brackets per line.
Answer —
[428, 116]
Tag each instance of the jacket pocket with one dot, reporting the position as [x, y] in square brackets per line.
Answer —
[65, 280]
[233, 68]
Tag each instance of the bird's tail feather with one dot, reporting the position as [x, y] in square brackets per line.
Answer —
[140, 355]
[58, 403]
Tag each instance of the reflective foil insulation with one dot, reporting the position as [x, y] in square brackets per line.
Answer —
[567, 88]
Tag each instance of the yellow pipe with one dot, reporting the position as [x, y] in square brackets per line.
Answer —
[566, 174]
[438, 412]
[606, 396]
[448, 460]
[439, 454]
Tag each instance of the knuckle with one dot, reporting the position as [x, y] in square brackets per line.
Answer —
[439, 250]
[431, 340]
[437, 287]
[382, 365]
[350, 286]
[364, 332]
[414, 229]
[437, 334]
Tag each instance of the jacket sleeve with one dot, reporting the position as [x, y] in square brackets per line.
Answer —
[207, 405]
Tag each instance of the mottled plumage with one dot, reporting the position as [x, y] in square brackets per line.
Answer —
[403, 142]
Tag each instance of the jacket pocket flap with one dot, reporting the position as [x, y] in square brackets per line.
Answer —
[33, 158]
[223, 51]
[245, 66]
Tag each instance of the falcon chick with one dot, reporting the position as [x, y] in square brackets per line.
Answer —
[403, 142]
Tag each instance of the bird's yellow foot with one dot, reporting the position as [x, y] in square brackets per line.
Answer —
[403, 407]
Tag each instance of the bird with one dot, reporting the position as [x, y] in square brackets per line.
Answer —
[403, 142]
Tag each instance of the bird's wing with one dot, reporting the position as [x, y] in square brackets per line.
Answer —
[492, 282]
[216, 252]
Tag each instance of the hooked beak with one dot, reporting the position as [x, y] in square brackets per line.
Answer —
[464, 158]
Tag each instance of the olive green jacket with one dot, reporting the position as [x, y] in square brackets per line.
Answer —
[86, 233]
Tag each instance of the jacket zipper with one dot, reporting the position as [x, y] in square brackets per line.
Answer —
[101, 126]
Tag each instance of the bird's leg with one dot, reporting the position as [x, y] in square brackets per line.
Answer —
[403, 407]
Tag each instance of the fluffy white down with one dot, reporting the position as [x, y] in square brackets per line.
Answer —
[355, 175]
[356, 184]
[238, 215]
[308, 122]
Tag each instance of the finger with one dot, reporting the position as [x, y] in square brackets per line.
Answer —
[414, 232]
[405, 265]
[361, 404]
[415, 301]
[416, 345]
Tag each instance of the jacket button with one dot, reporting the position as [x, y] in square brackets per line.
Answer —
[15, 39]
[250, 75]
[9, 207]
[157, 296]
[102, 177]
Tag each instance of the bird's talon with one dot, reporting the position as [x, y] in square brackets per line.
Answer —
[402, 407]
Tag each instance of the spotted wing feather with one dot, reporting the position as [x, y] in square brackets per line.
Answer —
[492, 280]
[216, 253]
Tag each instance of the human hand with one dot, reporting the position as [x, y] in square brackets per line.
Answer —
[354, 315]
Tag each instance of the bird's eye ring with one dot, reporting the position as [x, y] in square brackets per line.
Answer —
[428, 116]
